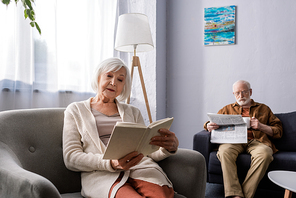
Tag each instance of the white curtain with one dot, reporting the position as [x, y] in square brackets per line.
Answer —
[54, 68]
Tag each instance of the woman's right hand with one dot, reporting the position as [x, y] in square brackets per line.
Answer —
[127, 161]
[212, 126]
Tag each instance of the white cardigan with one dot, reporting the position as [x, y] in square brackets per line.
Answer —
[83, 151]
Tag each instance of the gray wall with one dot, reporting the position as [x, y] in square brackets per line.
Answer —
[160, 59]
[200, 78]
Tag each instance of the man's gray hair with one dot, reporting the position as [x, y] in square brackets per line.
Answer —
[112, 64]
[242, 81]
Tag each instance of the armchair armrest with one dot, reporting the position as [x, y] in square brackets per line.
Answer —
[187, 171]
[202, 144]
[20, 183]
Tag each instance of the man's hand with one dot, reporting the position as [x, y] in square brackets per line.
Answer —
[127, 161]
[212, 126]
[255, 124]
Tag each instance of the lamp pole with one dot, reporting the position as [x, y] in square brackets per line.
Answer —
[136, 63]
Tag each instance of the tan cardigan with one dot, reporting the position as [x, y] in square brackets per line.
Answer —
[83, 151]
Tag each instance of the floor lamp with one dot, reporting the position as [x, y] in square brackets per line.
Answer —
[134, 35]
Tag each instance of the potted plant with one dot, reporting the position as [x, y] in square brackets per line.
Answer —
[28, 11]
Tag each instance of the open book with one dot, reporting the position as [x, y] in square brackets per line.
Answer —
[232, 129]
[128, 137]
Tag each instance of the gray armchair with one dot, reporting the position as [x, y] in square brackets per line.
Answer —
[31, 160]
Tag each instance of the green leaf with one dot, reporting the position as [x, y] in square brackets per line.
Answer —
[25, 13]
[32, 15]
[6, 2]
[24, 4]
[32, 24]
[28, 2]
[38, 28]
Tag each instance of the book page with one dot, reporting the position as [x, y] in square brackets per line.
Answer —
[123, 141]
[130, 124]
[159, 122]
[152, 131]
[128, 137]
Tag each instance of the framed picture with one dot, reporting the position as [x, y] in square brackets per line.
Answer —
[219, 25]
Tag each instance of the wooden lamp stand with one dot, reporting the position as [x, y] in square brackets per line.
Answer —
[136, 63]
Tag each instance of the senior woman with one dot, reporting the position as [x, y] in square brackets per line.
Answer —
[87, 129]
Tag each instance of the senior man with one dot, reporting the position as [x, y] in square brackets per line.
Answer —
[264, 126]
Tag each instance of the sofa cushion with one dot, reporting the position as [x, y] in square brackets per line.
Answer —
[284, 160]
[243, 164]
[287, 142]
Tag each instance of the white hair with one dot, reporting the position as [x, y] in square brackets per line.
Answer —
[112, 64]
[243, 82]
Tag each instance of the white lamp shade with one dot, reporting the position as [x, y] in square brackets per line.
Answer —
[133, 29]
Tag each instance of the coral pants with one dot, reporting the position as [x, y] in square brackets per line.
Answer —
[135, 188]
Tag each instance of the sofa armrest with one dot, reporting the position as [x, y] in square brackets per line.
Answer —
[202, 143]
[20, 183]
[187, 171]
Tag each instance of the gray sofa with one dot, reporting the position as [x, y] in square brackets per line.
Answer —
[284, 159]
[31, 161]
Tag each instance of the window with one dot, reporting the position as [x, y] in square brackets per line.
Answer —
[76, 37]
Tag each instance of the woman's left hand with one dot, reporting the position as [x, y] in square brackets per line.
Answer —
[166, 139]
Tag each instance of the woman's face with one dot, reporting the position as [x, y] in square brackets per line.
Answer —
[111, 83]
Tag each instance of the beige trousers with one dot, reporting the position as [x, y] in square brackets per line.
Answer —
[261, 157]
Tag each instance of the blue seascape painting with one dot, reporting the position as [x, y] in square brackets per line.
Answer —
[219, 25]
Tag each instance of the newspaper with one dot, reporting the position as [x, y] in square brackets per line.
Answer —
[232, 129]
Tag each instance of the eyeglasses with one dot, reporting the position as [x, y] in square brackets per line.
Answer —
[245, 92]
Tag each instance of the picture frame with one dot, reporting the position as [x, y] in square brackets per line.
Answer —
[219, 25]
